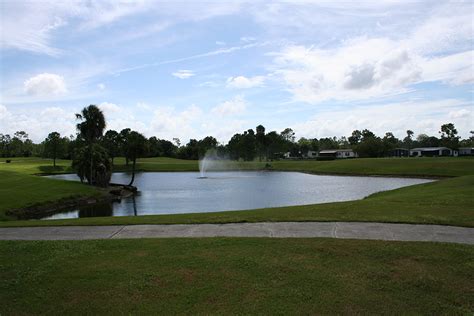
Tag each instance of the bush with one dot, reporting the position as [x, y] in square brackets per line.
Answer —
[101, 165]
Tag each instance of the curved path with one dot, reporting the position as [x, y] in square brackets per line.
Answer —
[352, 230]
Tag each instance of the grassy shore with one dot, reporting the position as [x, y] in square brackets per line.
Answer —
[19, 190]
[446, 202]
[235, 276]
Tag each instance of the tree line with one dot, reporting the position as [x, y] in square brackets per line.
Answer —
[248, 145]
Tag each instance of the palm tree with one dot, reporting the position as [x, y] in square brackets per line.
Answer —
[93, 123]
[90, 130]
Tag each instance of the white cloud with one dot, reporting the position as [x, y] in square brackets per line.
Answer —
[220, 43]
[183, 74]
[45, 84]
[143, 106]
[232, 107]
[365, 68]
[242, 82]
[168, 123]
[248, 39]
[462, 113]
[420, 116]
[455, 69]
[110, 108]
[101, 86]
[37, 123]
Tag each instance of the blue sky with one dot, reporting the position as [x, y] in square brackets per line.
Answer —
[192, 69]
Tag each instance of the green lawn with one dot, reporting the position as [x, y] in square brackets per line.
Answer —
[435, 167]
[22, 190]
[235, 276]
[449, 201]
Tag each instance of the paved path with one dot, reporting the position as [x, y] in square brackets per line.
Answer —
[355, 230]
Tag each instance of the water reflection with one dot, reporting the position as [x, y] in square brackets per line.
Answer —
[95, 210]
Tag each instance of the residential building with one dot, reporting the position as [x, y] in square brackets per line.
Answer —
[338, 153]
[466, 151]
[432, 152]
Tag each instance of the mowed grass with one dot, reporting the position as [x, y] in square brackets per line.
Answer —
[435, 167]
[22, 190]
[446, 202]
[235, 276]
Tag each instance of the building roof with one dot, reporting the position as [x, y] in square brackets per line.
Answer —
[430, 148]
[333, 151]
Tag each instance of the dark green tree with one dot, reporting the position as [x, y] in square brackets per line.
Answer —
[111, 142]
[90, 130]
[123, 139]
[449, 136]
[260, 139]
[54, 146]
[355, 138]
[135, 147]
[93, 157]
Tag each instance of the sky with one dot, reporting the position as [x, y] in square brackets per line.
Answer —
[189, 69]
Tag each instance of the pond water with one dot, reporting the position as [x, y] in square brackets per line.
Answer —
[184, 192]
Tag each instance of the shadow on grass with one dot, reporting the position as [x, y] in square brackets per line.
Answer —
[51, 169]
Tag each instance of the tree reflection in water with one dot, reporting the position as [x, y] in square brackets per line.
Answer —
[95, 210]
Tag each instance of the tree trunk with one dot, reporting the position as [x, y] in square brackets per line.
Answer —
[90, 179]
[133, 172]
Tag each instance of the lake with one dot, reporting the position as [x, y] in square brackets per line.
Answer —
[184, 192]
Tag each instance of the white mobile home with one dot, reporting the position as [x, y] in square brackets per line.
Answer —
[466, 151]
[338, 153]
[432, 152]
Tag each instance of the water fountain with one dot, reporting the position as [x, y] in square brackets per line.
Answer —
[210, 161]
[204, 164]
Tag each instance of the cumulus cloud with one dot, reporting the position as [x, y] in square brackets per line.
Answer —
[45, 84]
[241, 82]
[361, 69]
[167, 122]
[37, 123]
[110, 108]
[462, 113]
[420, 116]
[437, 47]
[183, 74]
[232, 107]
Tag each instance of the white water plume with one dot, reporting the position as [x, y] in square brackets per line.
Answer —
[213, 162]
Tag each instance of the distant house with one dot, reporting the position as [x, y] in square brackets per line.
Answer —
[432, 152]
[399, 152]
[338, 153]
[310, 154]
[289, 155]
[466, 151]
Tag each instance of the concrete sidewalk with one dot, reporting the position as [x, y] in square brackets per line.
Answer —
[352, 230]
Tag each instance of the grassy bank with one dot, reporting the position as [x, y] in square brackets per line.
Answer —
[19, 190]
[230, 276]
